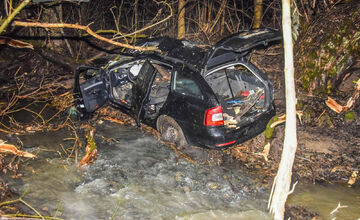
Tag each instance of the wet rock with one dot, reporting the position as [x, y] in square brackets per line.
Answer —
[299, 212]
[245, 188]
[212, 185]
[186, 189]
[178, 177]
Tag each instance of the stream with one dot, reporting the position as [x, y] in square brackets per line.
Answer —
[136, 177]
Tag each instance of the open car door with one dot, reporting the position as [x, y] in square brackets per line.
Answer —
[239, 45]
[141, 91]
[90, 92]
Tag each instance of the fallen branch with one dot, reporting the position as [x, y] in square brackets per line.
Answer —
[337, 208]
[115, 120]
[91, 148]
[84, 28]
[336, 107]
[9, 148]
[15, 43]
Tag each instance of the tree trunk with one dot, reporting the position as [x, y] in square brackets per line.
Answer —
[257, 13]
[181, 19]
[281, 185]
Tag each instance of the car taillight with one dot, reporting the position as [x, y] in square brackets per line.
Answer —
[214, 116]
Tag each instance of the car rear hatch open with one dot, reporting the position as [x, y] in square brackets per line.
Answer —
[239, 45]
[243, 92]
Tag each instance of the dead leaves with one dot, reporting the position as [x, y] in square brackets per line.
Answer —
[11, 149]
[353, 178]
[115, 120]
[266, 151]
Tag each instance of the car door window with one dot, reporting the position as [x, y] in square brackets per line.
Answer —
[186, 85]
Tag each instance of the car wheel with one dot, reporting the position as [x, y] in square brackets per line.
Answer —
[170, 131]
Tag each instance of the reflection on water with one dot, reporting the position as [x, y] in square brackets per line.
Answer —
[220, 214]
[324, 199]
[137, 178]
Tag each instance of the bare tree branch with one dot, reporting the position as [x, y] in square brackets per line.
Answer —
[84, 28]
[12, 15]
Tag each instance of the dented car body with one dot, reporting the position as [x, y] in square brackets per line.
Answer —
[211, 97]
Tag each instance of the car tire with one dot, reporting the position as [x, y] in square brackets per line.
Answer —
[170, 131]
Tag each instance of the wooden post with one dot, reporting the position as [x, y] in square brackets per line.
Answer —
[281, 185]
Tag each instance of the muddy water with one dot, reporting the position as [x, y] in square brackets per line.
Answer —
[323, 199]
[134, 177]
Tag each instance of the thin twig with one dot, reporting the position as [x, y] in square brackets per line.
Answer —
[117, 209]
[293, 188]
[150, 26]
[337, 208]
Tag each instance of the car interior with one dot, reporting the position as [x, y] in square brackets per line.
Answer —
[240, 92]
[123, 77]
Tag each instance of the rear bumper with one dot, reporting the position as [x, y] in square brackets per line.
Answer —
[219, 137]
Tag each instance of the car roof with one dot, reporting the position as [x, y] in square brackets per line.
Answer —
[200, 56]
[184, 50]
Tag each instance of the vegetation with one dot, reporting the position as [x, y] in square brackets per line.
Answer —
[325, 60]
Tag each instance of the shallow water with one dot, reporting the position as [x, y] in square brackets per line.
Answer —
[134, 177]
[323, 199]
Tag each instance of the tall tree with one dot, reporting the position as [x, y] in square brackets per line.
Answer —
[281, 185]
[257, 13]
[181, 19]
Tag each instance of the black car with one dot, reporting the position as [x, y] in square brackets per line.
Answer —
[212, 97]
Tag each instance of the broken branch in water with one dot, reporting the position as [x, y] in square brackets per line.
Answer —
[9, 148]
[337, 208]
[91, 148]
